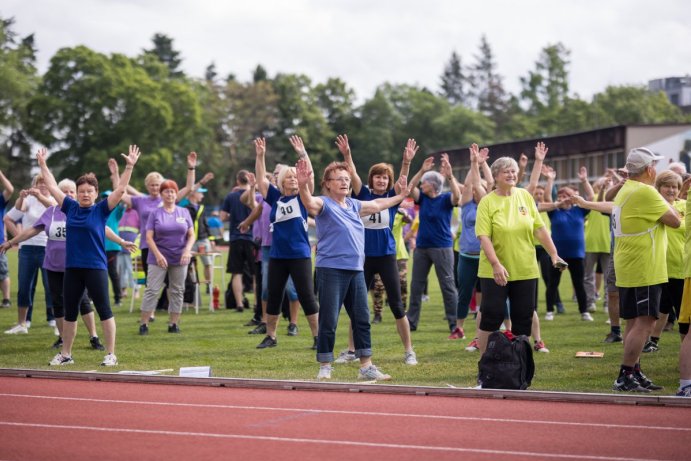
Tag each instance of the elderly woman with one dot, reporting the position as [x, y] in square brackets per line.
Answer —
[86, 262]
[28, 208]
[507, 221]
[434, 243]
[290, 254]
[169, 236]
[340, 260]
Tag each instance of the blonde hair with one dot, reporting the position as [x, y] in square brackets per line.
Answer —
[282, 176]
[153, 176]
[668, 177]
[67, 183]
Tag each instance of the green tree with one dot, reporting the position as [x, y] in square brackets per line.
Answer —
[629, 104]
[547, 86]
[337, 103]
[454, 82]
[18, 84]
[164, 51]
[260, 74]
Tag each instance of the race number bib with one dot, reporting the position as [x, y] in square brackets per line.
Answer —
[57, 231]
[285, 211]
[380, 220]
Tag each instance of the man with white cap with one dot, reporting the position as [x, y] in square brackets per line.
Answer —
[640, 245]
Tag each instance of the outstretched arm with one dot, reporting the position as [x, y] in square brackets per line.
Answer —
[522, 164]
[540, 154]
[447, 172]
[344, 148]
[299, 146]
[260, 166]
[25, 234]
[313, 204]
[249, 197]
[191, 171]
[369, 207]
[48, 177]
[130, 160]
[602, 207]
[427, 165]
[409, 152]
[472, 179]
[7, 187]
[588, 191]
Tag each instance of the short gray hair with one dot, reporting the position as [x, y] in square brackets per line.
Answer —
[435, 179]
[501, 164]
[67, 182]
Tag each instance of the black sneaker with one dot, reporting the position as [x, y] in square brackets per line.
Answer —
[560, 308]
[651, 346]
[377, 318]
[253, 322]
[258, 330]
[174, 328]
[314, 344]
[613, 338]
[292, 329]
[143, 329]
[268, 341]
[152, 319]
[6, 303]
[96, 343]
[58, 343]
[645, 382]
[628, 383]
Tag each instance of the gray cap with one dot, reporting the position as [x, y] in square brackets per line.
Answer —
[641, 157]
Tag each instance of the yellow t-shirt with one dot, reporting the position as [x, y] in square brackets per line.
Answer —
[687, 245]
[640, 242]
[397, 231]
[675, 243]
[510, 222]
[597, 235]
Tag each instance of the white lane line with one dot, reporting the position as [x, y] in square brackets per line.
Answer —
[323, 442]
[347, 412]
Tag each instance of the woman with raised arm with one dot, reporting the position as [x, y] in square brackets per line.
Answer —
[86, 265]
[507, 224]
[434, 243]
[340, 261]
[380, 246]
[169, 236]
[290, 255]
[53, 223]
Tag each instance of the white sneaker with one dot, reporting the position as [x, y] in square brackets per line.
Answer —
[324, 372]
[591, 307]
[549, 316]
[424, 298]
[51, 323]
[110, 360]
[28, 323]
[56, 331]
[410, 358]
[346, 356]
[372, 373]
[587, 317]
[60, 359]
[17, 330]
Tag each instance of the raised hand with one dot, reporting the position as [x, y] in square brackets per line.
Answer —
[191, 160]
[402, 186]
[522, 161]
[251, 180]
[548, 172]
[410, 150]
[583, 174]
[428, 164]
[540, 151]
[206, 178]
[304, 172]
[133, 155]
[483, 155]
[42, 156]
[113, 166]
[343, 146]
[260, 146]
[298, 145]
[474, 153]
[445, 168]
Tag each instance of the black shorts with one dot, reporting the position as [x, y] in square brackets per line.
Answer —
[241, 257]
[640, 301]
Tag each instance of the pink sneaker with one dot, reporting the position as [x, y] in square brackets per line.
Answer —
[457, 333]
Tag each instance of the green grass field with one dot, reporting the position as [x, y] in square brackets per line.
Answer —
[219, 340]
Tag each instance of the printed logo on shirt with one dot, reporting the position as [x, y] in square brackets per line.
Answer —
[181, 220]
[523, 210]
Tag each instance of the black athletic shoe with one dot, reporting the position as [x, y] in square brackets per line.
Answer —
[645, 382]
[292, 329]
[143, 329]
[174, 328]
[613, 338]
[96, 344]
[314, 344]
[253, 322]
[58, 343]
[651, 346]
[377, 318]
[628, 383]
[258, 330]
[268, 341]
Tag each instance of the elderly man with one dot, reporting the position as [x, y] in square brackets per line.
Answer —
[640, 245]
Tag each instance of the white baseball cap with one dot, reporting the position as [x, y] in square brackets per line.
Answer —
[640, 157]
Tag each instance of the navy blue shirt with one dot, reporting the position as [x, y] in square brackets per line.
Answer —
[435, 221]
[86, 234]
[288, 226]
[3, 204]
[568, 231]
[237, 212]
[379, 239]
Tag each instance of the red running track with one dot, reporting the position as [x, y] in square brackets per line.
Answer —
[81, 420]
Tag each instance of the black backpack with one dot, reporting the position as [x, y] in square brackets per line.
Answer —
[507, 363]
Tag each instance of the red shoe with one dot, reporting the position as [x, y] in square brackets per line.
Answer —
[457, 333]
[473, 346]
[540, 347]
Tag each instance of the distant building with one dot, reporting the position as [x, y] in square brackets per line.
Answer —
[597, 150]
[678, 90]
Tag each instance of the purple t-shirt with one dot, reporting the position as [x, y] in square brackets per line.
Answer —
[145, 204]
[170, 233]
[54, 223]
[340, 236]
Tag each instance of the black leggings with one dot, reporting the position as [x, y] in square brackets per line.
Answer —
[522, 296]
[670, 301]
[577, 271]
[387, 268]
[55, 283]
[113, 274]
[75, 281]
[300, 270]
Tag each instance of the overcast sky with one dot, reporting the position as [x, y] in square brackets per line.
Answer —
[368, 42]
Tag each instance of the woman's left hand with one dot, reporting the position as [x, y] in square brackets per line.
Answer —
[129, 246]
[186, 257]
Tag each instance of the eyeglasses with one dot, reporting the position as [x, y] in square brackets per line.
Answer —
[344, 179]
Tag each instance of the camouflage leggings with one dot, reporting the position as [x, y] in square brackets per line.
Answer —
[378, 288]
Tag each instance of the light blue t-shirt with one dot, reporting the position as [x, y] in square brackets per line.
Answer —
[340, 235]
[288, 226]
[469, 243]
[86, 231]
